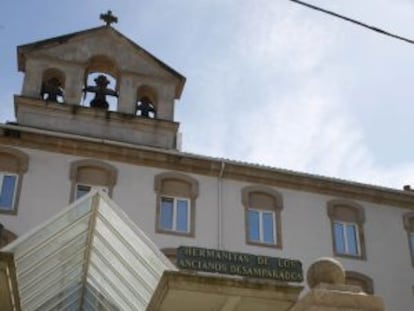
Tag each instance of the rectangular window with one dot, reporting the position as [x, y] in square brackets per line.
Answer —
[412, 243]
[346, 238]
[8, 185]
[261, 226]
[175, 214]
[82, 190]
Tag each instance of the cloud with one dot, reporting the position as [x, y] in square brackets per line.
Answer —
[281, 103]
[274, 83]
[6, 107]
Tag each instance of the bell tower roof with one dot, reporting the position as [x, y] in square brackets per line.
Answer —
[77, 38]
[99, 83]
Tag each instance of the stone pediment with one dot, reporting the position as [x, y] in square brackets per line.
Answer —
[80, 47]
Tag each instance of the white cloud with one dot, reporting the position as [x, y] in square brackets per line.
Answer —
[278, 35]
[306, 126]
[6, 107]
[266, 80]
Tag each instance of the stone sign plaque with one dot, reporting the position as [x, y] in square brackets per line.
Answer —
[248, 265]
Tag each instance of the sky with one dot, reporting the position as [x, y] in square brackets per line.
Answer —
[268, 81]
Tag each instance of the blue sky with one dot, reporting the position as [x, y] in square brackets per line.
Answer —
[268, 81]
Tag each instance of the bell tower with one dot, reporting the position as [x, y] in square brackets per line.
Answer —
[98, 83]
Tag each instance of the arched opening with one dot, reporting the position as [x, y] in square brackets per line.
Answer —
[146, 105]
[361, 280]
[53, 84]
[176, 201]
[263, 221]
[101, 84]
[91, 174]
[13, 165]
[347, 224]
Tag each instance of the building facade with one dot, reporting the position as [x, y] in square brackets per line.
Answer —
[62, 146]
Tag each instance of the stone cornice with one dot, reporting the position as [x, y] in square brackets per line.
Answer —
[179, 161]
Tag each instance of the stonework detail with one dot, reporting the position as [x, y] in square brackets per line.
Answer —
[13, 161]
[176, 185]
[57, 71]
[349, 215]
[363, 281]
[325, 270]
[93, 173]
[262, 198]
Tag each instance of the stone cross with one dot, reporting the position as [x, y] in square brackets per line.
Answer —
[108, 18]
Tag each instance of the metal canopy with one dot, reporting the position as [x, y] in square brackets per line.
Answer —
[90, 256]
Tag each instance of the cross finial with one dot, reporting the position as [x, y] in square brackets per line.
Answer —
[108, 18]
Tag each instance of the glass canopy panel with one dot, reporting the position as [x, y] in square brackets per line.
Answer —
[50, 259]
[66, 300]
[89, 257]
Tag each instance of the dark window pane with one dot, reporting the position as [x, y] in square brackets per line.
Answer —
[351, 236]
[339, 238]
[253, 224]
[268, 228]
[182, 216]
[412, 243]
[166, 213]
[82, 190]
[7, 192]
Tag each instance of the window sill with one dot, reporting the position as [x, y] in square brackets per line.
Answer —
[348, 256]
[8, 212]
[262, 244]
[176, 233]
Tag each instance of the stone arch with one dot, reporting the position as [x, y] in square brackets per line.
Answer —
[146, 102]
[346, 210]
[53, 85]
[356, 278]
[163, 178]
[93, 173]
[172, 186]
[13, 160]
[102, 63]
[13, 165]
[96, 67]
[262, 201]
[347, 215]
[271, 193]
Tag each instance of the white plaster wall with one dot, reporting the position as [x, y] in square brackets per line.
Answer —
[306, 229]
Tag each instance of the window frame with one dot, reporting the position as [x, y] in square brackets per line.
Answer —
[174, 215]
[16, 182]
[146, 90]
[76, 176]
[16, 163]
[261, 226]
[58, 74]
[191, 196]
[411, 241]
[408, 220]
[350, 213]
[92, 187]
[347, 224]
[276, 209]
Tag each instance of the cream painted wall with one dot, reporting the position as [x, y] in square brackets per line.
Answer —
[306, 229]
